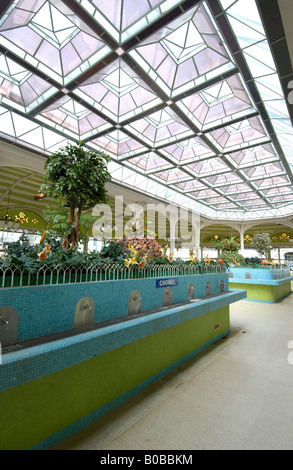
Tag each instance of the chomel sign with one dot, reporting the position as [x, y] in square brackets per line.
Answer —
[167, 282]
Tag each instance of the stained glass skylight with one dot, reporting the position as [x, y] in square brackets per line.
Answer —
[49, 36]
[185, 97]
[185, 53]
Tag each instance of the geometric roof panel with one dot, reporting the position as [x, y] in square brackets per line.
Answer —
[185, 97]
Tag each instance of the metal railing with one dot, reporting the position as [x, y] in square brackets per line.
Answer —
[14, 276]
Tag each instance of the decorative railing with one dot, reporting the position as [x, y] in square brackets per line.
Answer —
[14, 276]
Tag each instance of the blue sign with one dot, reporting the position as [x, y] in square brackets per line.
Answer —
[167, 282]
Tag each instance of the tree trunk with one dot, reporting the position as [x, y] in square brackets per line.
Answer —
[85, 243]
[70, 240]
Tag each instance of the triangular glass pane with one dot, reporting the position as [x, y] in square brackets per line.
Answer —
[246, 36]
[119, 82]
[35, 136]
[246, 11]
[184, 42]
[23, 125]
[53, 25]
[6, 123]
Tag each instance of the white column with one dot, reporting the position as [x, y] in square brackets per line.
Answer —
[242, 240]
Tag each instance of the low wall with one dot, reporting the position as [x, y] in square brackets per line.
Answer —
[50, 309]
[262, 285]
[50, 391]
[259, 273]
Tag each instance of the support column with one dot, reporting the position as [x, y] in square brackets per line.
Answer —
[242, 240]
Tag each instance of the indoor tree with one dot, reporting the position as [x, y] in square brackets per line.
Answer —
[78, 176]
[261, 242]
[57, 218]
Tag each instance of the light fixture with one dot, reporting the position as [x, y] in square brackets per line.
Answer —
[40, 196]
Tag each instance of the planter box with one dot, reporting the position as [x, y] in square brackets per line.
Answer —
[262, 285]
[50, 391]
[49, 309]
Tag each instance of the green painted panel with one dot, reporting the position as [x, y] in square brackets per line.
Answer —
[263, 292]
[26, 218]
[32, 412]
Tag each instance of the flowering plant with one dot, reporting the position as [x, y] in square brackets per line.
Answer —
[192, 258]
[141, 250]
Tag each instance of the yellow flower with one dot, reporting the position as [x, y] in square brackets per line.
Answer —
[127, 262]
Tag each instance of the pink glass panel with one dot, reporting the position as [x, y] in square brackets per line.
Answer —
[112, 10]
[141, 96]
[167, 71]
[95, 91]
[17, 18]
[216, 112]
[70, 58]
[25, 38]
[86, 45]
[111, 102]
[11, 91]
[126, 103]
[153, 54]
[49, 55]
[208, 60]
[133, 13]
[186, 71]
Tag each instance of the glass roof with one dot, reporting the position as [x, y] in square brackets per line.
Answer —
[186, 100]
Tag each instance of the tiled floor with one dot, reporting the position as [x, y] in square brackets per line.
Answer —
[236, 395]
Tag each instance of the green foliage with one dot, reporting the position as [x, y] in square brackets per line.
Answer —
[232, 258]
[19, 248]
[253, 261]
[261, 242]
[53, 239]
[49, 253]
[113, 250]
[57, 217]
[227, 245]
[78, 176]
